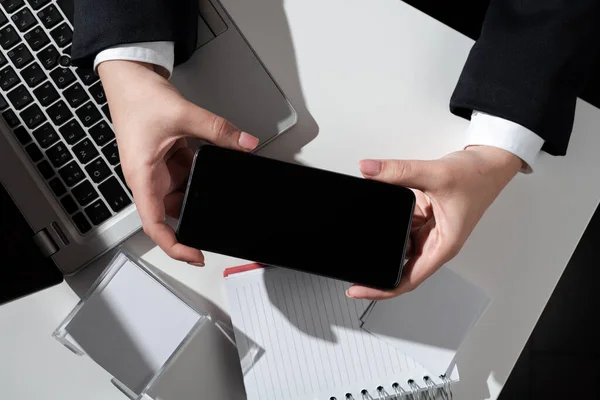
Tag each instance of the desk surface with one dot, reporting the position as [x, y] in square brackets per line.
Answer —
[370, 79]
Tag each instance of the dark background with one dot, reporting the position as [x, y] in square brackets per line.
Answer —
[467, 17]
[562, 356]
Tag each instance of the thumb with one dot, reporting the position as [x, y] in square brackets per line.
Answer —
[416, 174]
[205, 125]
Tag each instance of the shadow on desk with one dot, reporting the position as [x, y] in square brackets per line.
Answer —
[272, 40]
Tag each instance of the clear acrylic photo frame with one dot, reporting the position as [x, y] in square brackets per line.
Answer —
[118, 261]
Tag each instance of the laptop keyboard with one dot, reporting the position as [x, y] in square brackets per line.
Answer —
[59, 113]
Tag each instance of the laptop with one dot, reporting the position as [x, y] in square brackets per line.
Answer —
[59, 162]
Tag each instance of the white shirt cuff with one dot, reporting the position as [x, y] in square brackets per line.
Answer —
[489, 130]
[161, 54]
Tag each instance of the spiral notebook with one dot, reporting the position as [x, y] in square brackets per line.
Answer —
[311, 344]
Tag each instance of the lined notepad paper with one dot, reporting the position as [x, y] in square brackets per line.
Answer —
[313, 345]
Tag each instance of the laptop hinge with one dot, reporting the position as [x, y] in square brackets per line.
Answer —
[45, 243]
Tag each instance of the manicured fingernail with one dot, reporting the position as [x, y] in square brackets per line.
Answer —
[247, 141]
[348, 294]
[370, 167]
[198, 264]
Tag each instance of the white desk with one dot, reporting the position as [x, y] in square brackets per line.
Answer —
[376, 77]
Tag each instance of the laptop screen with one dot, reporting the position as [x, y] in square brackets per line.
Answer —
[23, 268]
[467, 17]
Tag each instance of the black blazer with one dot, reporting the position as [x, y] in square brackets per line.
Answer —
[532, 59]
[100, 24]
[529, 64]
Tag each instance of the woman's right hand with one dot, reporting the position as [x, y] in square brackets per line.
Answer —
[152, 120]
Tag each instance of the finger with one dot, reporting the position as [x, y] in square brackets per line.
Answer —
[164, 236]
[424, 264]
[205, 125]
[179, 166]
[151, 209]
[173, 203]
[417, 174]
[409, 249]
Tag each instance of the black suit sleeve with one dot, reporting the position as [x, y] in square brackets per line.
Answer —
[529, 65]
[99, 24]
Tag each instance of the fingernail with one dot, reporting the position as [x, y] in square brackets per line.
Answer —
[370, 167]
[247, 141]
[198, 264]
[348, 294]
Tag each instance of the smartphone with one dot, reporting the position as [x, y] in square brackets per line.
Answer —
[283, 214]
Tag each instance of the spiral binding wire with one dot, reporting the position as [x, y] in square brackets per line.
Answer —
[430, 391]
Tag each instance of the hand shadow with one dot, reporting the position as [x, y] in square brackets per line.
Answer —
[316, 306]
[271, 44]
[271, 39]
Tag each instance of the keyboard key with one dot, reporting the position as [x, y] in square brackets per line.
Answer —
[59, 155]
[22, 135]
[57, 187]
[48, 57]
[106, 111]
[45, 135]
[97, 92]
[8, 78]
[67, 7]
[50, 16]
[114, 194]
[20, 56]
[23, 19]
[33, 116]
[37, 4]
[81, 223]
[11, 5]
[85, 151]
[63, 77]
[3, 60]
[88, 114]
[69, 204]
[3, 103]
[111, 152]
[119, 172]
[19, 97]
[62, 35]
[98, 170]
[59, 113]
[101, 133]
[72, 131]
[84, 193]
[71, 174]
[76, 95]
[87, 76]
[97, 212]
[33, 75]
[45, 169]
[11, 118]
[8, 37]
[3, 19]
[46, 94]
[37, 38]
[34, 152]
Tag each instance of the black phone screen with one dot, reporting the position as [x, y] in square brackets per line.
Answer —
[287, 215]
